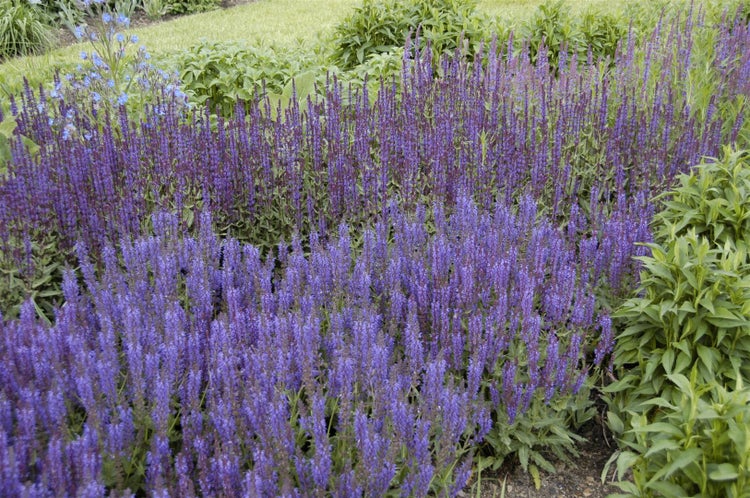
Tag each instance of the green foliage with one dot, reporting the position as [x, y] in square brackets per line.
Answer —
[602, 33]
[39, 279]
[714, 200]
[553, 28]
[154, 9]
[8, 133]
[25, 29]
[697, 446]
[558, 31]
[545, 430]
[66, 13]
[190, 6]
[225, 74]
[690, 316]
[381, 27]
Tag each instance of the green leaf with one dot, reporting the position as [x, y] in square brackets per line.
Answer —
[8, 126]
[667, 489]
[661, 445]
[534, 471]
[667, 360]
[625, 461]
[682, 383]
[722, 472]
[659, 428]
[687, 457]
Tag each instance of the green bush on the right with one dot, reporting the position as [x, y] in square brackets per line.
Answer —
[699, 446]
[689, 317]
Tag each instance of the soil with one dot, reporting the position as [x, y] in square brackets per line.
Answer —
[581, 479]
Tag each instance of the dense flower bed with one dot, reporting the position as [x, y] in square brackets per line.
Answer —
[346, 299]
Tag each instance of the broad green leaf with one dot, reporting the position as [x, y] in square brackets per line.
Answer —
[661, 445]
[625, 461]
[685, 458]
[722, 472]
[682, 383]
[667, 360]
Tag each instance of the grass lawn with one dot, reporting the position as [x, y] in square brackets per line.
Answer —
[282, 22]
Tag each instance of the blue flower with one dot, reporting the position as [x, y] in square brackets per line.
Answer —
[134, 39]
[106, 18]
[120, 38]
[84, 55]
[79, 31]
[122, 99]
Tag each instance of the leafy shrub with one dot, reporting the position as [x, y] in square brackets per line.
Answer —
[155, 9]
[223, 74]
[25, 28]
[380, 27]
[714, 201]
[553, 29]
[602, 33]
[190, 6]
[557, 31]
[67, 13]
[690, 314]
[697, 445]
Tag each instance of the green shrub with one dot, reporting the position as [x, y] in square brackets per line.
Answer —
[381, 27]
[691, 313]
[697, 446]
[223, 74]
[25, 29]
[190, 6]
[714, 201]
[602, 33]
[553, 28]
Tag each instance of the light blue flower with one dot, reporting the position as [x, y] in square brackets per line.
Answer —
[134, 39]
[120, 38]
[106, 18]
[122, 99]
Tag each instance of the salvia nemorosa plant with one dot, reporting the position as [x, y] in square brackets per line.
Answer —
[449, 241]
[190, 366]
[599, 140]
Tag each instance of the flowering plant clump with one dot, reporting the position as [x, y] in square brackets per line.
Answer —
[345, 297]
[339, 373]
[109, 77]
